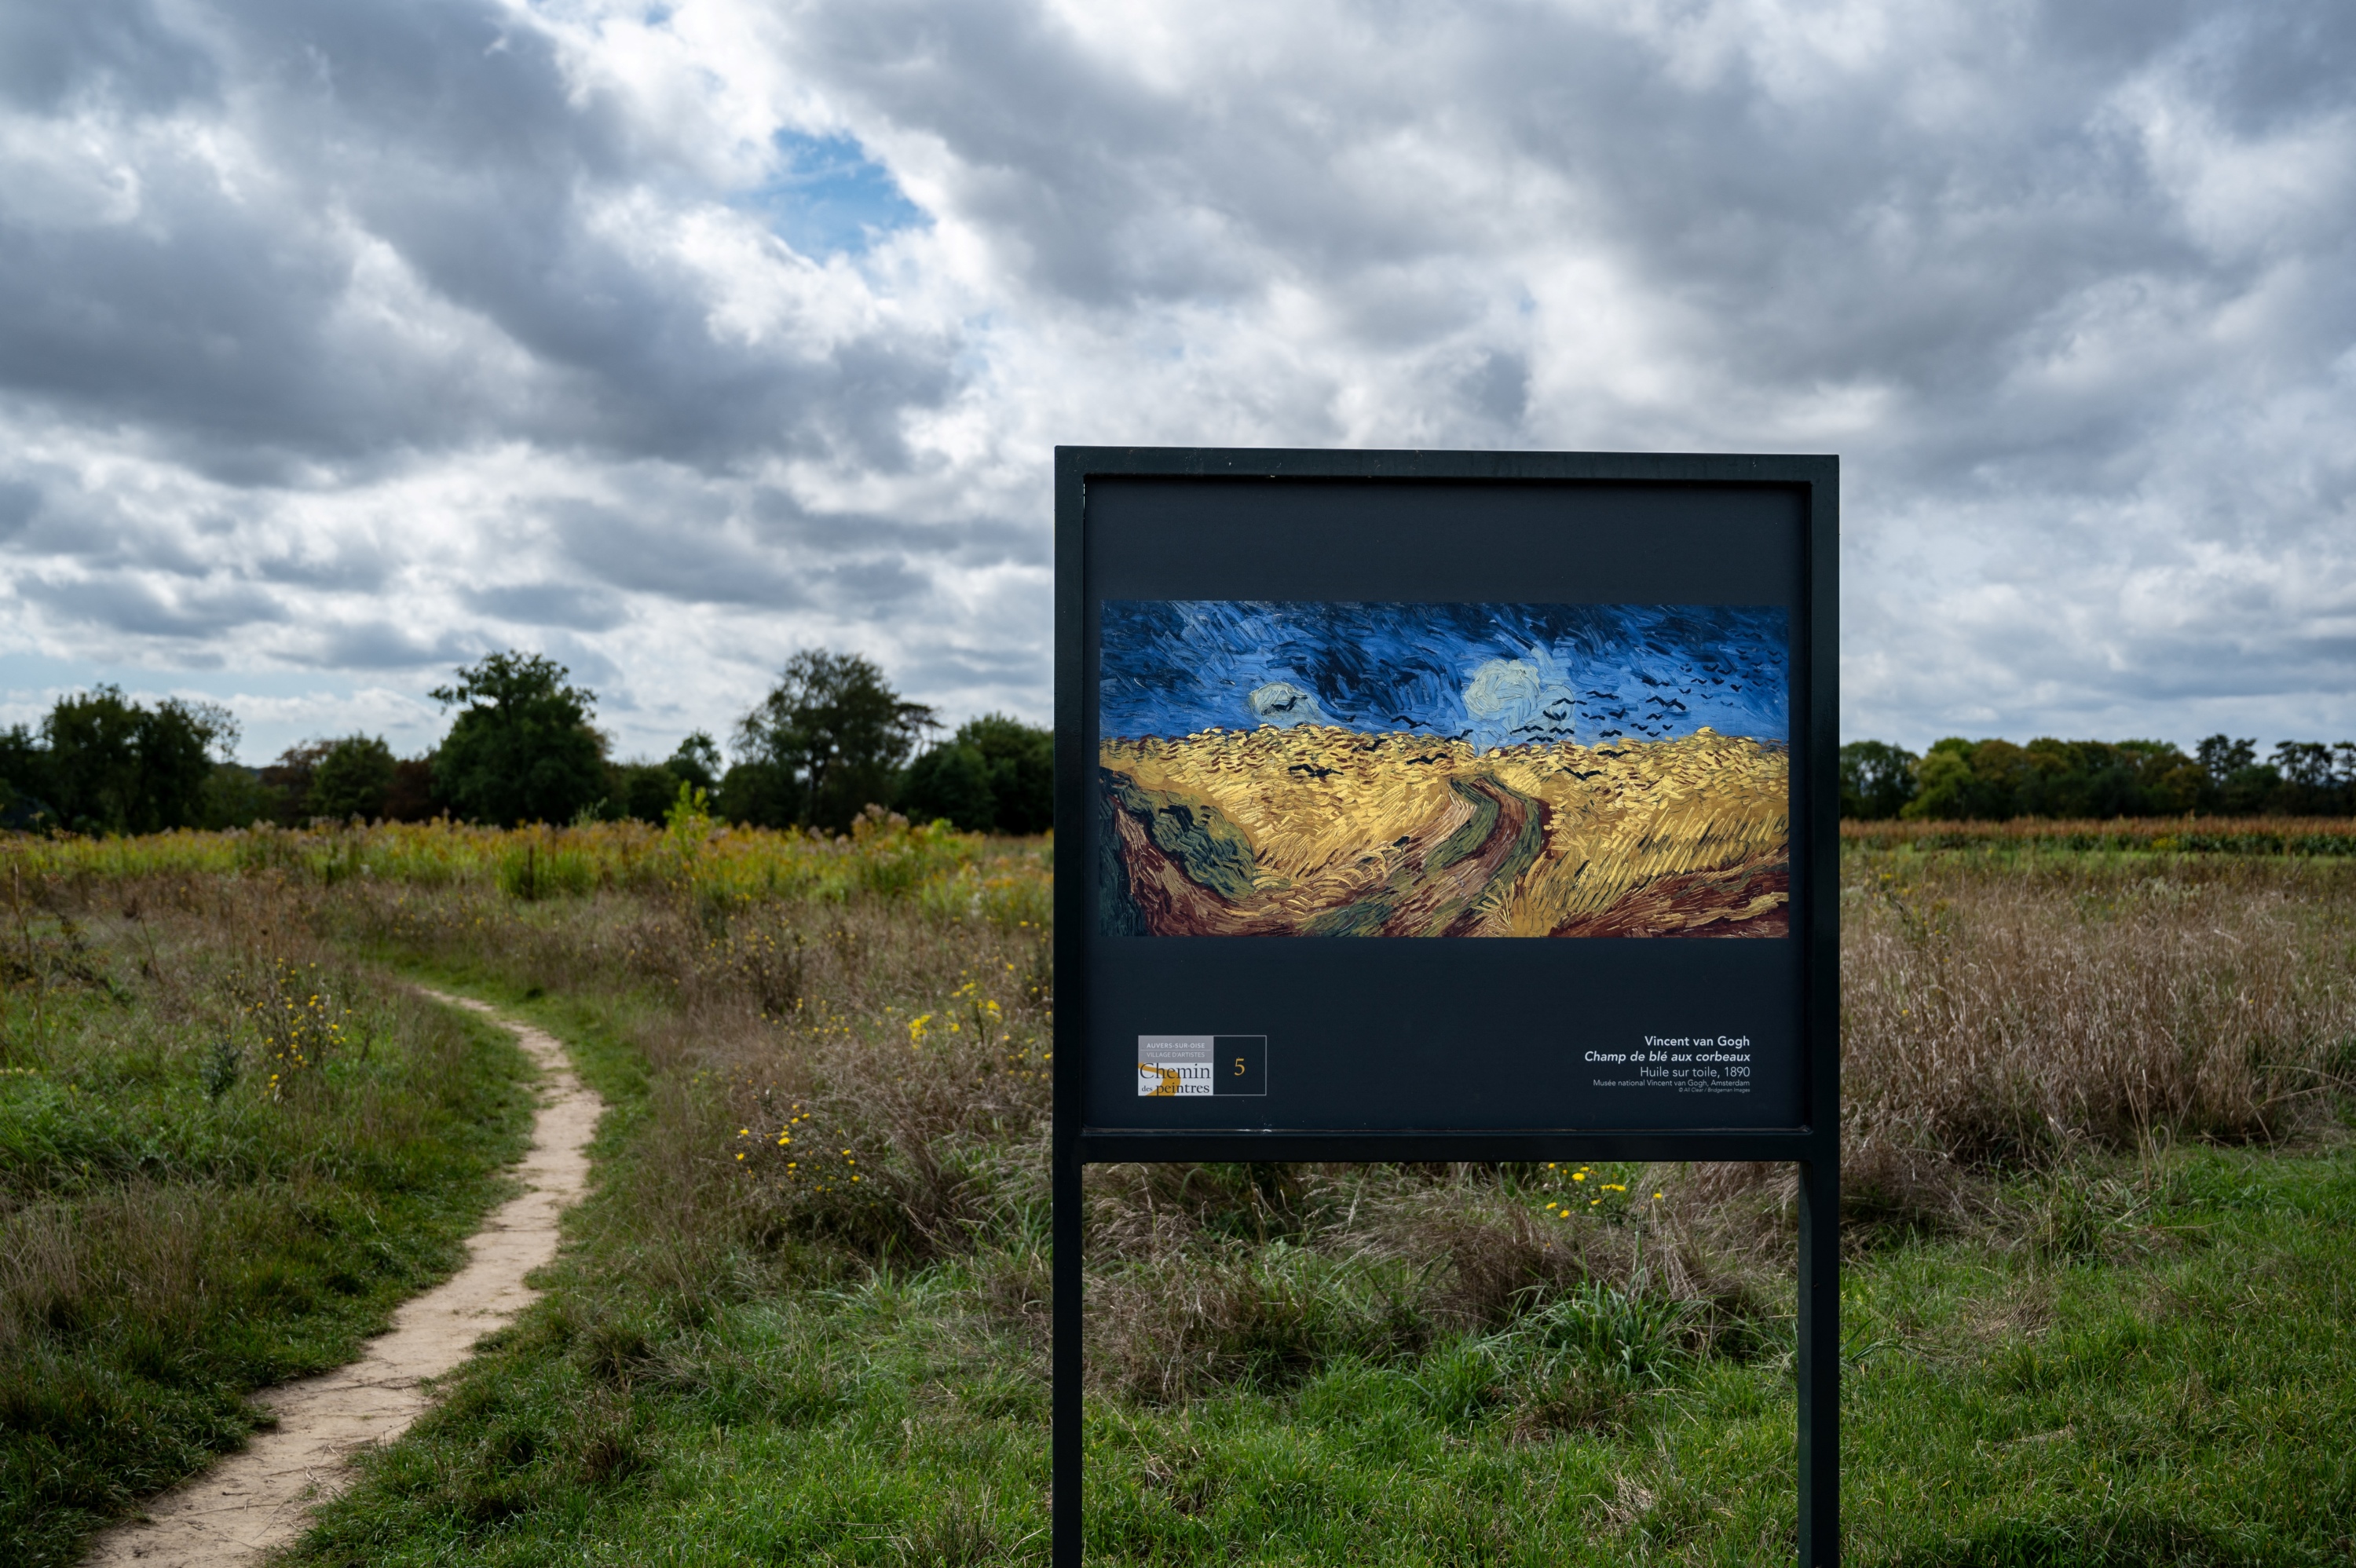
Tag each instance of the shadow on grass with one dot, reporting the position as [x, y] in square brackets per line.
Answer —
[2110, 1541]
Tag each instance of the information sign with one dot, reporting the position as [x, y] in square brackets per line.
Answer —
[1447, 806]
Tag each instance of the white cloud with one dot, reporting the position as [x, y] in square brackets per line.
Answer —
[346, 343]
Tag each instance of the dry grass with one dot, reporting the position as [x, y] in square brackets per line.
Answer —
[860, 1084]
[2153, 835]
[118, 1205]
[137, 1253]
[846, 1084]
[836, 1088]
[2002, 1013]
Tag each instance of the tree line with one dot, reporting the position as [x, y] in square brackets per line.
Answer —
[1993, 780]
[830, 738]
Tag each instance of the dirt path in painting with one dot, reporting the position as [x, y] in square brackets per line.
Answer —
[260, 1499]
[1435, 892]
[1452, 890]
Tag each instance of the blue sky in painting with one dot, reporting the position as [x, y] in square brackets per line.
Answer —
[1496, 675]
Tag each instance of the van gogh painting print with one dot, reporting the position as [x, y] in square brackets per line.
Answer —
[1443, 770]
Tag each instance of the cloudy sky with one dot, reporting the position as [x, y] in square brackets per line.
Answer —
[343, 340]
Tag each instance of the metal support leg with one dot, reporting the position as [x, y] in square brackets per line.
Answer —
[1063, 1499]
[1819, 1369]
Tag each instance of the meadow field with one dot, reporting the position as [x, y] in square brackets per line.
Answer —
[2101, 1205]
[226, 1150]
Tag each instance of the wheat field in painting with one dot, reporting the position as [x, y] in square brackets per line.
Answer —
[1318, 830]
[1455, 770]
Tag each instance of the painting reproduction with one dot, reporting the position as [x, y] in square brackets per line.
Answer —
[1339, 769]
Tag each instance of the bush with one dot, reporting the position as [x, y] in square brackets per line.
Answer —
[995, 774]
[235, 796]
[951, 784]
[353, 779]
[641, 792]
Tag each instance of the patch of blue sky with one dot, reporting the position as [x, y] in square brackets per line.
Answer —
[1493, 675]
[831, 197]
[975, 358]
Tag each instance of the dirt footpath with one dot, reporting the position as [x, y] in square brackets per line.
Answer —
[259, 1498]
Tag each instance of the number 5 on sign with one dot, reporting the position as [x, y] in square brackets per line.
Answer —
[1246, 1056]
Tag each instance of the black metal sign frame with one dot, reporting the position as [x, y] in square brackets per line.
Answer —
[1807, 485]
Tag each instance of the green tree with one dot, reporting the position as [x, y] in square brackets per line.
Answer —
[2309, 784]
[235, 796]
[2238, 784]
[827, 740]
[289, 779]
[1997, 779]
[696, 764]
[521, 748]
[646, 792]
[353, 779]
[411, 799]
[92, 739]
[1876, 779]
[1947, 788]
[2221, 756]
[950, 782]
[639, 791]
[2167, 780]
[1022, 761]
[757, 791]
[119, 767]
[28, 795]
[996, 773]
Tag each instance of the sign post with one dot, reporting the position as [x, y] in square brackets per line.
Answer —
[1532, 759]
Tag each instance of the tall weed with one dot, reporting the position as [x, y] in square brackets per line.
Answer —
[1997, 1013]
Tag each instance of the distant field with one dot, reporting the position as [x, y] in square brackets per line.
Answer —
[2154, 835]
[1322, 831]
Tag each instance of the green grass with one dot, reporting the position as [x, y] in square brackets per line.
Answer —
[2160, 1369]
[2059, 1351]
[176, 1228]
[2178, 1392]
